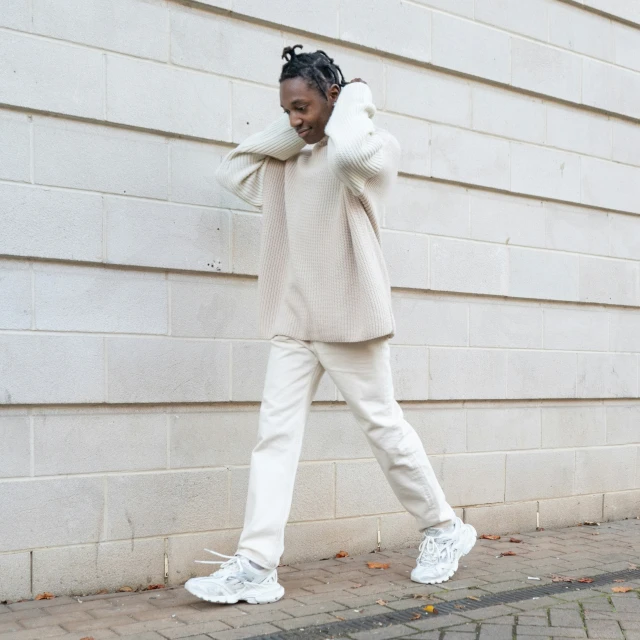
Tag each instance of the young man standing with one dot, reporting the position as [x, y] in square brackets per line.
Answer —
[325, 304]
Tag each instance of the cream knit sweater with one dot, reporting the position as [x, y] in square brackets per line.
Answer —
[322, 274]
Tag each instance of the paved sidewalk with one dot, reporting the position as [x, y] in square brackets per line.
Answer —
[331, 597]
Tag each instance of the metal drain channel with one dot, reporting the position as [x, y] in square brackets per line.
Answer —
[341, 628]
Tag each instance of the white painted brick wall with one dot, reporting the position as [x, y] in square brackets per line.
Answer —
[128, 297]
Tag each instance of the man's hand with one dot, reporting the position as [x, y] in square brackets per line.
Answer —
[358, 80]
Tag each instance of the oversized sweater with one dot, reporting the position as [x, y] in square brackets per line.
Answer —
[322, 273]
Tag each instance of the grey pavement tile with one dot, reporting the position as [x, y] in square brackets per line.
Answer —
[245, 632]
[562, 632]
[384, 633]
[495, 632]
[602, 629]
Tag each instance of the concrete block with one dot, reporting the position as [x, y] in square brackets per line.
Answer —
[313, 494]
[414, 136]
[51, 76]
[609, 281]
[297, 14]
[213, 307]
[529, 19]
[155, 504]
[474, 478]
[51, 369]
[624, 239]
[569, 511]
[407, 258]
[245, 243]
[460, 7]
[441, 430]
[610, 185]
[517, 517]
[421, 206]
[212, 438]
[15, 283]
[545, 70]
[249, 368]
[507, 219]
[101, 300]
[15, 454]
[307, 541]
[15, 153]
[472, 267]
[594, 469]
[576, 229]
[465, 46]
[16, 14]
[508, 114]
[167, 235]
[623, 424]
[184, 550]
[539, 474]
[625, 9]
[357, 498]
[167, 370]
[409, 36]
[575, 329]
[579, 426]
[428, 95]
[607, 375]
[246, 119]
[545, 172]
[578, 30]
[333, 435]
[398, 530]
[144, 33]
[611, 88]
[426, 321]
[69, 224]
[505, 325]
[85, 569]
[493, 429]
[87, 156]
[410, 366]
[626, 142]
[225, 46]
[556, 274]
[93, 443]
[624, 331]
[15, 576]
[192, 176]
[626, 45]
[469, 157]
[539, 374]
[579, 131]
[162, 98]
[625, 504]
[51, 513]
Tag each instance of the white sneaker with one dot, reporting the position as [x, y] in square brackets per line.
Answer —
[440, 552]
[236, 579]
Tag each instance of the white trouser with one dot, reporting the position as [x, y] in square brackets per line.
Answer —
[362, 373]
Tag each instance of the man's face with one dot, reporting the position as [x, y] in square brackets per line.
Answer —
[308, 109]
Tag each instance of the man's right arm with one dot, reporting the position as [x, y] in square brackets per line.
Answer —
[242, 170]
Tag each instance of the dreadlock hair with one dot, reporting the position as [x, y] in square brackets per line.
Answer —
[317, 68]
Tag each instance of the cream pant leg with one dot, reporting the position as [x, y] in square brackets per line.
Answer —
[362, 373]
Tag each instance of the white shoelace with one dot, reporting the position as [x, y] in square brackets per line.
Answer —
[230, 565]
[433, 549]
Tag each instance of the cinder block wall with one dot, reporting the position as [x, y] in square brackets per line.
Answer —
[130, 370]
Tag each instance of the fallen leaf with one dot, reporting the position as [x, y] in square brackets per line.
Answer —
[102, 591]
[45, 596]
[378, 565]
[355, 586]
[340, 618]
[619, 580]
[87, 638]
[431, 609]
[342, 554]
[416, 616]
[591, 524]
[421, 596]
[381, 602]
[515, 540]
[555, 578]
[125, 589]
[459, 606]
[155, 586]
[633, 566]
[621, 589]
[473, 598]
[585, 580]
[486, 536]
[508, 553]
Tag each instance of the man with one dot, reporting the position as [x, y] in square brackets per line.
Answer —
[325, 304]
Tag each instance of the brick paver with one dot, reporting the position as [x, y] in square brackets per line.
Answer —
[343, 589]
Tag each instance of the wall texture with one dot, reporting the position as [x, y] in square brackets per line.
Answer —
[130, 372]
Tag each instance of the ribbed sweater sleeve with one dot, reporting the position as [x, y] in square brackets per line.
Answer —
[242, 170]
[355, 150]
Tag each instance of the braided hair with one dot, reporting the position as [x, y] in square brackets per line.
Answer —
[317, 68]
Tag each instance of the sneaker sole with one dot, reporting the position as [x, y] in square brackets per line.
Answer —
[265, 598]
[471, 535]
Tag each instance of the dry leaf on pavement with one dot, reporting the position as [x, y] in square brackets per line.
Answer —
[621, 589]
[381, 602]
[342, 554]
[508, 553]
[45, 596]
[487, 536]
[155, 586]
[416, 616]
[585, 580]
[515, 540]
[378, 565]
[473, 598]
[125, 589]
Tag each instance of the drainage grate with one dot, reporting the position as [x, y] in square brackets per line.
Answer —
[342, 628]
